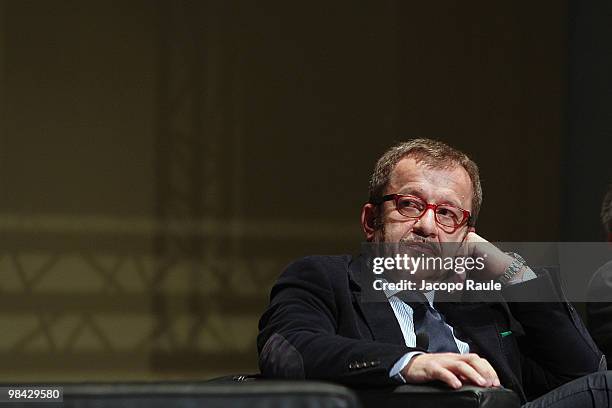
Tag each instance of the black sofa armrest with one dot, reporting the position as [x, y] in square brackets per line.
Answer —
[436, 395]
[254, 394]
[432, 395]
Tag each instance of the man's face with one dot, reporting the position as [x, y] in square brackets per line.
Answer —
[435, 186]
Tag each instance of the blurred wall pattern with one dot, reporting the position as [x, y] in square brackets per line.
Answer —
[161, 162]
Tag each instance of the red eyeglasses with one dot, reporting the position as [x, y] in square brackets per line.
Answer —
[413, 207]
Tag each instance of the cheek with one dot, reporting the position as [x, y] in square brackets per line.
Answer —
[397, 229]
[457, 236]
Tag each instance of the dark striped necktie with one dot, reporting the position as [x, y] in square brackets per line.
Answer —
[428, 320]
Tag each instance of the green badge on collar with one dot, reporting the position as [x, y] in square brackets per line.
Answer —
[506, 333]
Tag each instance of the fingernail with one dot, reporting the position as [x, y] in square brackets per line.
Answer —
[482, 382]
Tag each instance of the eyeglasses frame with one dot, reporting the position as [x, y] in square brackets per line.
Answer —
[396, 197]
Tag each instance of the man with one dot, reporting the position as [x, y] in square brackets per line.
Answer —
[318, 325]
[599, 312]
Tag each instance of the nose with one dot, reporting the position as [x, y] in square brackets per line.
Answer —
[426, 225]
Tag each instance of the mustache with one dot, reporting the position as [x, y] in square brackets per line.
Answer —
[420, 244]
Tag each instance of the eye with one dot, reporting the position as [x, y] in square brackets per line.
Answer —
[410, 203]
[449, 213]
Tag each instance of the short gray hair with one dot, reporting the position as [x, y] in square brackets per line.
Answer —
[434, 154]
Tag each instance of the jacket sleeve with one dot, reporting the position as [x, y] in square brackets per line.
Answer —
[298, 333]
[556, 347]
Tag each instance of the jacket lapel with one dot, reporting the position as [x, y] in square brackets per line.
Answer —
[373, 305]
[381, 320]
[472, 321]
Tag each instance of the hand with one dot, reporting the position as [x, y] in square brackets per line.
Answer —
[452, 368]
[496, 261]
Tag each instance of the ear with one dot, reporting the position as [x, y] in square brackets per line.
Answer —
[368, 221]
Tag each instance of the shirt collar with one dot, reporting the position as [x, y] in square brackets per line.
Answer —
[428, 295]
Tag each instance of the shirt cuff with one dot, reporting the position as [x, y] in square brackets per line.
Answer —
[396, 370]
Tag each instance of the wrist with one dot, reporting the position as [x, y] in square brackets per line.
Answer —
[496, 261]
[406, 370]
[515, 269]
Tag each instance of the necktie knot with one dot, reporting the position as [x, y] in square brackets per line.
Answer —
[416, 300]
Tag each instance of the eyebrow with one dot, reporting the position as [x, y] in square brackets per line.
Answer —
[418, 192]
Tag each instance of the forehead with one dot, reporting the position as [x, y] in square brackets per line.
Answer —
[437, 185]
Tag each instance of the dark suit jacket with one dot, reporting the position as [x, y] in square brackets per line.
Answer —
[318, 327]
[599, 312]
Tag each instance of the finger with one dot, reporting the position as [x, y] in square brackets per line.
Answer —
[487, 371]
[446, 376]
[464, 369]
[466, 241]
[492, 373]
[465, 246]
[484, 368]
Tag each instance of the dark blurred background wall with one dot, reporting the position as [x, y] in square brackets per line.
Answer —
[161, 161]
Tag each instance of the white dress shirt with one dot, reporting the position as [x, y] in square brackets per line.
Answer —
[403, 313]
